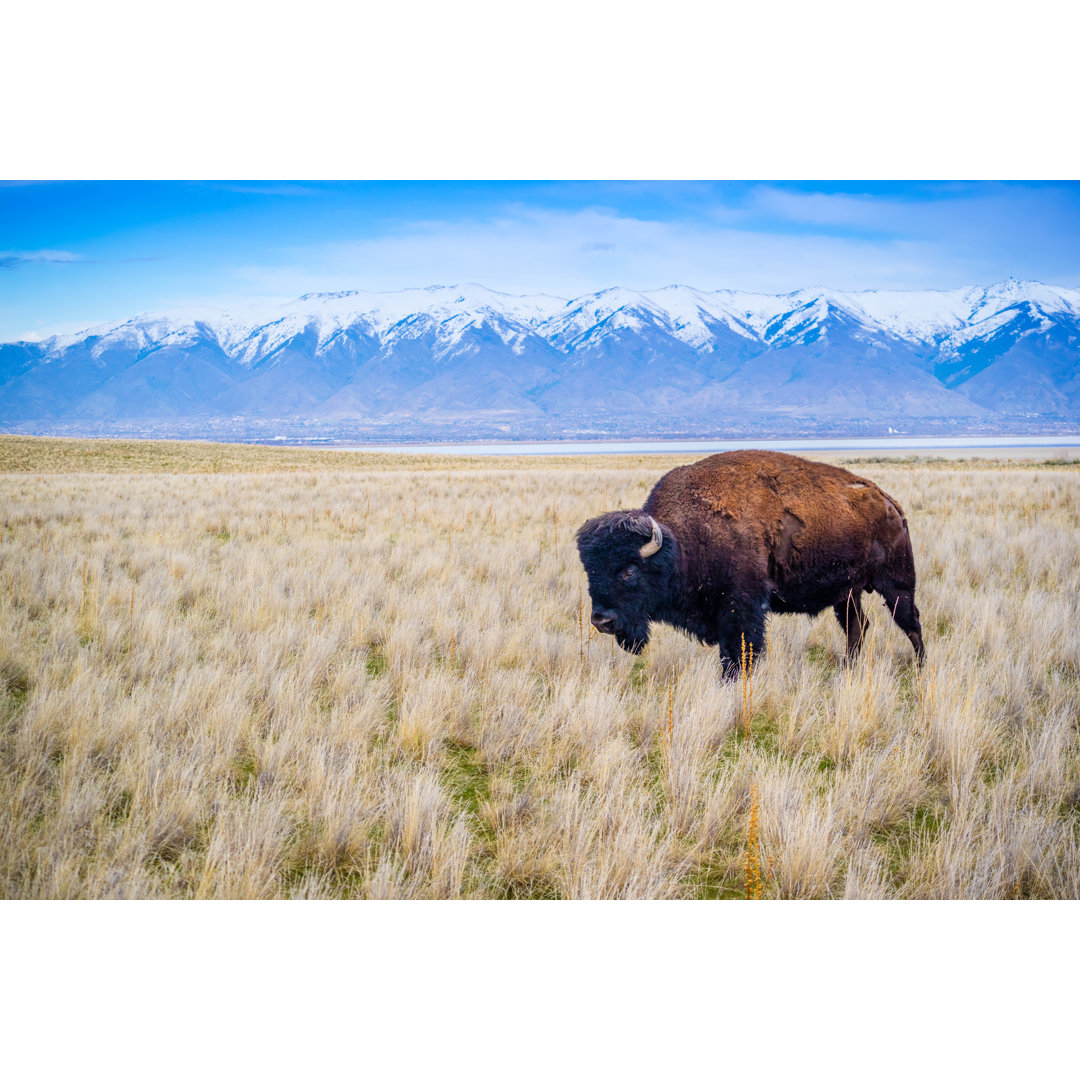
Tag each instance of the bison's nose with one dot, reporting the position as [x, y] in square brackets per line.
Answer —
[603, 622]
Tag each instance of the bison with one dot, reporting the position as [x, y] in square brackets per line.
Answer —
[720, 543]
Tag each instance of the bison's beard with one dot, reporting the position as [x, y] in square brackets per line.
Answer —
[634, 639]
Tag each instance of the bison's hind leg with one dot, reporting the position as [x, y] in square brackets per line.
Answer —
[849, 614]
[901, 606]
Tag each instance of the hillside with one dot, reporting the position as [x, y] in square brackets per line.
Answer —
[466, 361]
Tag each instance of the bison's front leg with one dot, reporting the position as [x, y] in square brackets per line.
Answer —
[741, 632]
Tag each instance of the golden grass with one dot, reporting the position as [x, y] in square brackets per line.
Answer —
[256, 672]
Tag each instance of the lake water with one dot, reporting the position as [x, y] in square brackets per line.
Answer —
[889, 445]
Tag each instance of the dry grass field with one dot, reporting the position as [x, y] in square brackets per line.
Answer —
[250, 672]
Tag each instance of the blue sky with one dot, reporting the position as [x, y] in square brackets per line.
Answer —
[76, 253]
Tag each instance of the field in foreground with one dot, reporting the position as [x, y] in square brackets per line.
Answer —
[345, 675]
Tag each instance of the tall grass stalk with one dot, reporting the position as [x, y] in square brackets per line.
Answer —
[746, 677]
[753, 870]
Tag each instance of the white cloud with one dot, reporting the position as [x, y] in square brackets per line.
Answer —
[47, 329]
[10, 259]
[568, 253]
[267, 189]
[992, 218]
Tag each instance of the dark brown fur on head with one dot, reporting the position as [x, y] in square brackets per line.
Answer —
[627, 589]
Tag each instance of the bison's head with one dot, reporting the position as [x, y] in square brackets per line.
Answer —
[629, 559]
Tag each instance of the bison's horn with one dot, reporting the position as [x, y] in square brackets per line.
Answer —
[653, 546]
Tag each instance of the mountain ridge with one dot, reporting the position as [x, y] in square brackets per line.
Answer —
[627, 360]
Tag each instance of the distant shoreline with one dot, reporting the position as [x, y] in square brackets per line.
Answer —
[677, 446]
[1060, 448]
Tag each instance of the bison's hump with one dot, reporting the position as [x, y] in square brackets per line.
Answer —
[756, 495]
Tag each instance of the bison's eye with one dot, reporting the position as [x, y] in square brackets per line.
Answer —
[628, 574]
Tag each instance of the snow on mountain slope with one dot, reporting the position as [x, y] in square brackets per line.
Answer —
[1012, 346]
[248, 333]
[690, 314]
[695, 315]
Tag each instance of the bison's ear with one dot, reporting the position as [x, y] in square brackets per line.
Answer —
[654, 545]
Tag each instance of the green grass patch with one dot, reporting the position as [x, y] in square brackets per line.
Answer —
[12, 701]
[535, 887]
[467, 780]
[656, 771]
[243, 773]
[923, 824]
[468, 783]
[823, 659]
[120, 810]
[375, 662]
[714, 880]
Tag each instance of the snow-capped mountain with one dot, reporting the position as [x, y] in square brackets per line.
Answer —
[617, 360]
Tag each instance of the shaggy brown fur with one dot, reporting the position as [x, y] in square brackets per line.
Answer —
[747, 532]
